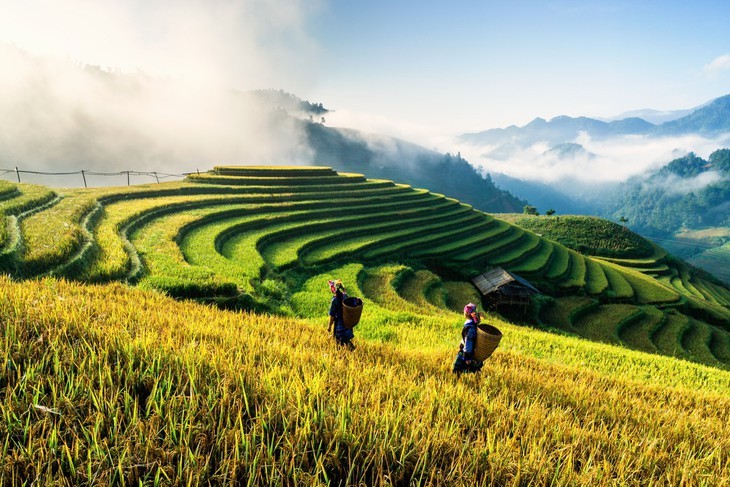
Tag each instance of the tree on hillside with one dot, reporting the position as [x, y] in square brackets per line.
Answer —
[685, 167]
[530, 210]
[550, 212]
[720, 160]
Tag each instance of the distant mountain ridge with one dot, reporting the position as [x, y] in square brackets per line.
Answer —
[653, 116]
[711, 118]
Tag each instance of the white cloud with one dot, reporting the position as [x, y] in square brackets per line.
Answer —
[148, 85]
[606, 160]
[373, 123]
[238, 43]
[720, 63]
[673, 184]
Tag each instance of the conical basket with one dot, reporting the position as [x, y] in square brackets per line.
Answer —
[488, 338]
[351, 311]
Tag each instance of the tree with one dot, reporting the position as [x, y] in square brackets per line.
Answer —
[530, 210]
[550, 212]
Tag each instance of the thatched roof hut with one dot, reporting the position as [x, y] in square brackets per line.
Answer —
[503, 287]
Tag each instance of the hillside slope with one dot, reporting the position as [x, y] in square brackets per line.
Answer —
[688, 193]
[389, 158]
[115, 385]
[248, 237]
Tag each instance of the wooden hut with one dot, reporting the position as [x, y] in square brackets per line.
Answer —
[502, 287]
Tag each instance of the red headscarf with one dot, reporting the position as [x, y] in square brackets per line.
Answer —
[335, 285]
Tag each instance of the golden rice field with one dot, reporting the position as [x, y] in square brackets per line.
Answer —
[175, 334]
[114, 385]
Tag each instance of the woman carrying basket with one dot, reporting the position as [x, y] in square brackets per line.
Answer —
[465, 361]
[342, 334]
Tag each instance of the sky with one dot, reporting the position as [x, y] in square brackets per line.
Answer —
[465, 66]
[422, 71]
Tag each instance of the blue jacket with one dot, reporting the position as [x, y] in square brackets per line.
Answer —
[469, 338]
[342, 333]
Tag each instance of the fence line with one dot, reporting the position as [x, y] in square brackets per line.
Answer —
[84, 173]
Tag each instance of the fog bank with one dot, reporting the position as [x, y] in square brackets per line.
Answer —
[598, 161]
[145, 86]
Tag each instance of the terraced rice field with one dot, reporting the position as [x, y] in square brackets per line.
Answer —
[115, 385]
[716, 260]
[254, 237]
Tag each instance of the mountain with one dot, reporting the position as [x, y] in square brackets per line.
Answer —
[653, 116]
[543, 196]
[618, 149]
[687, 193]
[569, 149]
[382, 157]
[558, 130]
[287, 101]
[711, 118]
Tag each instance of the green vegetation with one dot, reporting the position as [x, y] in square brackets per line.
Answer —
[51, 237]
[17, 203]
[576, 277]
[246, 237]
[137, 388]
[111, 384]
[596, 280]
[716, 261]
[656, 207]
[585, 234]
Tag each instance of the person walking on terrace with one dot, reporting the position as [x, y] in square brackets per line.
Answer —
[341, 333]
[465, 361]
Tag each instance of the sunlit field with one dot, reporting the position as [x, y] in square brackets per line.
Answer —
[107, 384]
[177, 334]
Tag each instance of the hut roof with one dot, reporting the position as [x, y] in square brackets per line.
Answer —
[496, 278]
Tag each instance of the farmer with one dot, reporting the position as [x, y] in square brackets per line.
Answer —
[342, 334]
[465, 361]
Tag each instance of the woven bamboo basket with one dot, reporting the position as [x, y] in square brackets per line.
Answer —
[488, 338]
[351, 311]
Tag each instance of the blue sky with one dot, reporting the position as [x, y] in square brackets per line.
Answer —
[416, 69]
[462, 66]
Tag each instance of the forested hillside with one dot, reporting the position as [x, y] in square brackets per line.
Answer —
[383, 157]
[397, 160]
[687, 193]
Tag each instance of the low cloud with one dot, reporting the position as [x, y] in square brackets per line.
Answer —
[720, 63]
[609, 160]
[148, 86]
[372, 123]
[673, 184]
